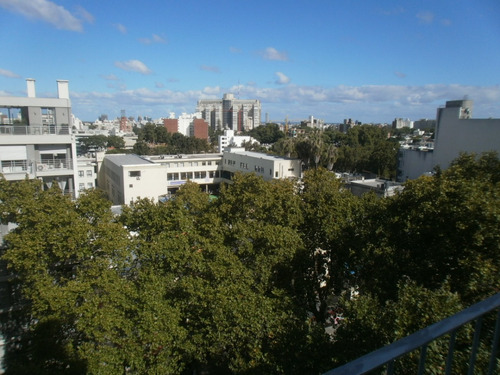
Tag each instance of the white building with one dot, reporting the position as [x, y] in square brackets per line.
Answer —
[456, 132]
[36, 139]
[126, 178]
[229, 139]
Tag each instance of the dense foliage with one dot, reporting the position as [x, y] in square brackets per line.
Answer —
[246, 283]
[363, 149]
[156, 140]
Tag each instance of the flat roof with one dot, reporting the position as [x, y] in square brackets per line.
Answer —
[157, 158]
[127, 159]
[259, 155]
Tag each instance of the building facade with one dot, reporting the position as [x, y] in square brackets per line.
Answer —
[126, 178]
[456, 132]
[36, 139]
[230, 113]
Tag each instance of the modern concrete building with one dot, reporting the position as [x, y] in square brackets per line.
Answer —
[36, 138]
[381, 188]
[126, 178]
[190, 125]
[230, 113]
[229, 139]
[456, 132]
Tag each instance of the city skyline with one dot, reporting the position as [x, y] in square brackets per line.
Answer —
[371, 62]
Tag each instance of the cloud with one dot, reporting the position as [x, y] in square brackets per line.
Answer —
[234, 50]
[213, 69]
[425, 17]
[400, 74]
[154, 39]
[49, 12]
[159, 85]
[110, 77]
[133, 66]
[120, 28]
[85, 15]
[8, 74]
[370, 103]
[271, 53]
[282, 79]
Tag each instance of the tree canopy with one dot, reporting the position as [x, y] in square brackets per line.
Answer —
[250, 282]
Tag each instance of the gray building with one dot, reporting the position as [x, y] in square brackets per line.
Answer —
[230, 113]
[456, 132]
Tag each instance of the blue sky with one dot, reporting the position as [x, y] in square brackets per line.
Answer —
[367, 60]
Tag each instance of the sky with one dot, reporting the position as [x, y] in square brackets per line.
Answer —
[371, 61]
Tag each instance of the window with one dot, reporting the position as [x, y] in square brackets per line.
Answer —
[184, 176]
[80, 173]
[81, 186]
[276, 174]
[209, 163]
[90, 185]
[203, 163]
[134, 173]
[197, 174]
[89, 172]
[130, 185]
[195, 163]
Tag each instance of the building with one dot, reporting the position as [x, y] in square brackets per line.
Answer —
[126, 178]
[229, 139]
[189, 125]
[230, 113]
[36, 139]
[381, 188]
[400, 123]
[313, 123]
[456, 132]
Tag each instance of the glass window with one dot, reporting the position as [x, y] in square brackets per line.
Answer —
[89, 172]
[90, 185]
[81, 186]
[134, 173]
[80, 173]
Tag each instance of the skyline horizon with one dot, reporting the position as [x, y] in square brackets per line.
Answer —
[370, 61]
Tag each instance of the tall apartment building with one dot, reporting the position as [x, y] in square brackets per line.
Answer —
[230, 113]
[36, 140]
[190, 125]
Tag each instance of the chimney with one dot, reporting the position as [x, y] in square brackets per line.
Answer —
[62, 89]
[30, 83]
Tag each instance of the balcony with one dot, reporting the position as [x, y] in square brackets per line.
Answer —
[34, 130]
[16, 166]
[49, 166]
[486, 331]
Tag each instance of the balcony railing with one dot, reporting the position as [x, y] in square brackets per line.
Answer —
[50, 165]
[34, 130]
[420, 340]
[15, 166]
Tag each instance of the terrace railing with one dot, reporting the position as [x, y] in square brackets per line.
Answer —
[34, 130]
[388, 355]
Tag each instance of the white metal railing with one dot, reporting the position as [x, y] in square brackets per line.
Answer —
[34, 130]
[15, 166]
[48, 165]
[421, 339]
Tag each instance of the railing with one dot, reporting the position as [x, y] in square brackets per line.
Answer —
[420, 340]
[15, 166]
[34, 130]
[49, 165]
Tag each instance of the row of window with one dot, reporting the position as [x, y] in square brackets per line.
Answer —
[192, 175]
[191, 163]
[81, 186]
[82, 173]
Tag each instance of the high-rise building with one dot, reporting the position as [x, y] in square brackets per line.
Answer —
[230, 113]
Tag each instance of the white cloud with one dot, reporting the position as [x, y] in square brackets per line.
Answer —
[133, 66]
[282, 79]
[400, 74]
[425, 17]
[8, 74]
[234, 50]
[372, 103]
[48, 11]
[120, 28]
[207, 68]
[159, 85]
[110, 77]
[271, 53]
[154, 39]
